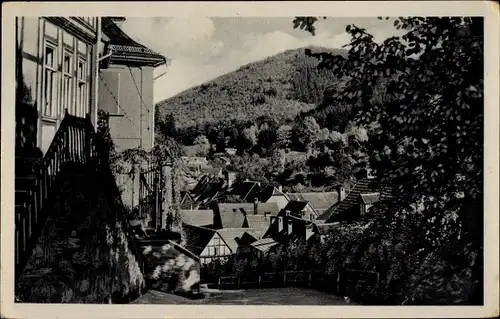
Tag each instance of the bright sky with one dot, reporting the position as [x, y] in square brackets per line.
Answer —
[201, 49]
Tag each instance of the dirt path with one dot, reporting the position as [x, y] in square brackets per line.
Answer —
[276, 296]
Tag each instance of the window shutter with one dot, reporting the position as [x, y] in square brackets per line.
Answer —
[109, 91]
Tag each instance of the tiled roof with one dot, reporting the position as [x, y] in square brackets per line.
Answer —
[246, 239]
[123, 46]
[233, 215]
[188, 202]
[197, 238]
[370, 198]
[271, 208]
[352, 199]
[267, 192]
[323, 229]
[319, 201]
[213, 171]
[247, 190]
[190, 151]
[229, 236]
[207, 188]
[259, 224]
[295, 206]
[197, 217]
[264, 244]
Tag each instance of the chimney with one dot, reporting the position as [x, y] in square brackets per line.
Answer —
[341, 191]
[118, 21]
[280, 223]
[230, 177]
[255, 206]
[369, 173]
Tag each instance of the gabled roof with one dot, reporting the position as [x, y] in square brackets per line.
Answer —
[197, 238]
[295, 206]
[318, 201]
[213, 171]
[230, 236]
[233, 215]
[267, 192]
[193, 159]
[258, 224]
[247, 190]
[187, 201]
[207, 188]
[363, 186]
[324, 229]
[127, 51]
[197, 217]
[271, 208]
[370, 198]
[246, 239]
[264, 244]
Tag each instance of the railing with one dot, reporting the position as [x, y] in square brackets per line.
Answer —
[75, 142]
[151, 194]
[71, 143]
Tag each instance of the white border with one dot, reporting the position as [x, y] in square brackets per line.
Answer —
[489, 10]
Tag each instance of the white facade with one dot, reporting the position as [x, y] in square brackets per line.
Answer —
[215, 249]
[56, 70]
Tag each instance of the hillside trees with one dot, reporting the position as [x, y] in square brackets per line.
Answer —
[203, 145]
[426, 141]
[305, 132]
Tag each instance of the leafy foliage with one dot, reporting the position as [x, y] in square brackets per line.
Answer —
[431, 111]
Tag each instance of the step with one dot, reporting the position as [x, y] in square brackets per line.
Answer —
[25, 182]
[25, 165]
[21, 196]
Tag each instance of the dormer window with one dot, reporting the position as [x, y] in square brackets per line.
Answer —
[367, 201]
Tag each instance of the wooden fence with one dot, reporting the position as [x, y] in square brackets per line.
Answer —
[341, 283]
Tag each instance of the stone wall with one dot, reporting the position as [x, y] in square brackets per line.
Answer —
[171, 268]
[82, 255]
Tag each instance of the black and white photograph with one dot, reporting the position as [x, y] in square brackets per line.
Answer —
[244, 159]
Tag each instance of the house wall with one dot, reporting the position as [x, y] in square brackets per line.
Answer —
[127, 94]
[55, 73]
[215, 249]
[280, 200]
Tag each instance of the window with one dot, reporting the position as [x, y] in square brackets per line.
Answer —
[50, 80]
[216, 241]
[82, 87]
[216, 250]
[211, 251]
[67, 87]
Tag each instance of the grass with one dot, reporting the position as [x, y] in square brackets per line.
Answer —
[271, 296]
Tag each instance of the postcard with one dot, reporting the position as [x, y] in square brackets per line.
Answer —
[250, 159]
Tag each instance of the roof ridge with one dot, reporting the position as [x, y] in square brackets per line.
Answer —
[347, 195]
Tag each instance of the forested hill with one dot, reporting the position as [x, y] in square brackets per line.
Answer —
[279, 86]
